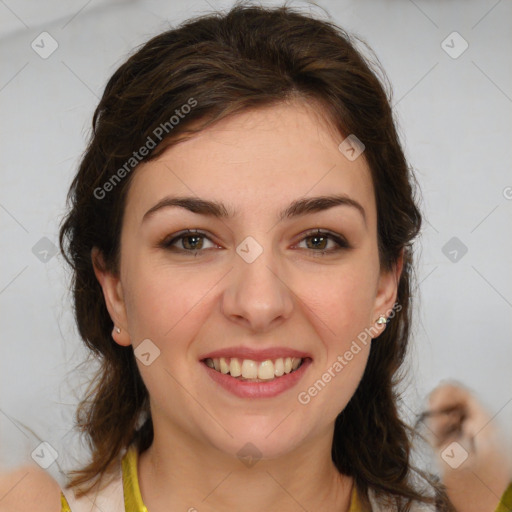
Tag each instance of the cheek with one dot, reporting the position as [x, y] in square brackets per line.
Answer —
[341, 312]
[163, 303]
[340, 305]
[167, 306]
[341, 301]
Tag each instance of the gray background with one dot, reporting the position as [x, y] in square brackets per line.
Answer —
[455, 118]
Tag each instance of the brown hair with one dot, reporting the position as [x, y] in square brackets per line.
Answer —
[224, 64]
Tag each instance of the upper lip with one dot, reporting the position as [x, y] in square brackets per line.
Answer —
[255, 354]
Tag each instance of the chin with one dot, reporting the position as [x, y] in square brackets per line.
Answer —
[265, 439]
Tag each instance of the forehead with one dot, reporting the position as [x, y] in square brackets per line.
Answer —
[266, 155]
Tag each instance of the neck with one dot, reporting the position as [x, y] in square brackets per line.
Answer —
[175, 471]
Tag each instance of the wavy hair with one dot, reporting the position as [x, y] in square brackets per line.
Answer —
[227, 63]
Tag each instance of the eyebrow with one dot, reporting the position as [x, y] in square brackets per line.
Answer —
[216, 209]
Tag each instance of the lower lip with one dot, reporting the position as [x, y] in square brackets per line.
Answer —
[245, 389]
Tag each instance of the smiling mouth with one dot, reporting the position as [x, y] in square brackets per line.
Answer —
[254, 371]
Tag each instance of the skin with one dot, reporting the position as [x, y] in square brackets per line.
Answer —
[478, 483]
[256, 163]
[29, 488]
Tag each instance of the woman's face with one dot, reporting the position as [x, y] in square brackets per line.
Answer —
[251, 285]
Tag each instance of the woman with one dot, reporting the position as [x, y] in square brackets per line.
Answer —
[240, 235]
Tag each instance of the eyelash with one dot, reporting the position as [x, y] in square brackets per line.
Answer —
[340, 241]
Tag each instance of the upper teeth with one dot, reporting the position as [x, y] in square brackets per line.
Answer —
[249, 369]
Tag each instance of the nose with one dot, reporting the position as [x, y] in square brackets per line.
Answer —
[256, 296]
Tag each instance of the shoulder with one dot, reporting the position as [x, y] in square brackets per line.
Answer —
[29, 488]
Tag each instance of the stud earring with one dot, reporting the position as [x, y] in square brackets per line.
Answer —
[382, 320]
[118, 330]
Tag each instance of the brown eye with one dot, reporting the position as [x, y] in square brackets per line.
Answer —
[189, 241]
[192, 242]
[319, 241]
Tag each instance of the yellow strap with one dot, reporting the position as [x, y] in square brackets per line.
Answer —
[505, 504]
[64, 506]
[133, 499]
[355, 504]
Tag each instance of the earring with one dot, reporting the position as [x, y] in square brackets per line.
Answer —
[382, 320]
[118, 330]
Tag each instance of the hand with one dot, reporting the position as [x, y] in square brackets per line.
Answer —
[477, 468]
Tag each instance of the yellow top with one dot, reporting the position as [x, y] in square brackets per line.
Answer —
[133, 499]
[505, 504]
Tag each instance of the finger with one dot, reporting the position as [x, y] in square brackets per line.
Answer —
[448, 395]
[474, 416]
[445, 424]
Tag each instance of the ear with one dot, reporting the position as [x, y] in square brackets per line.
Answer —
[113, 294]
[387, 291]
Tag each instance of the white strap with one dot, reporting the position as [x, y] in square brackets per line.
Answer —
[111, 498]
[381, 505]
